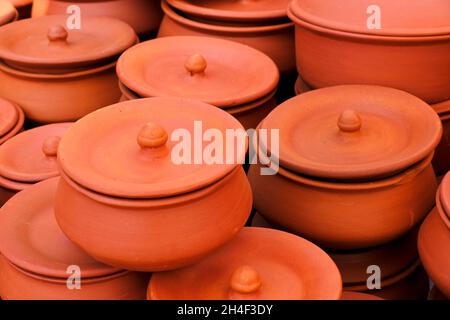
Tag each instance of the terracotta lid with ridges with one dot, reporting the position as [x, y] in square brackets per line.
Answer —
[31, 239]
[257, 264]
[47, 42]
[215, 71]
[397, 18]
[31, 155]
[7, 12]
[150, 148]
[9, 115]
[353, 132]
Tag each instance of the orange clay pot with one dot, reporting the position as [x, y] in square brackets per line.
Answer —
[79, 77]
[396, 55]
[329, 174]
[275, 39]
[7, 12]
[28, 158]
[144, 16]
[258, 264]
[11, 120]
[23, 7]
[171, 212]
[441, 161]
[33, 268]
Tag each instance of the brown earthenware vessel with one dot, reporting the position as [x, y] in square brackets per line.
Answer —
[39, 58]
[23, 7]
[395, 54]
[11, 120]
[258, 264]
[38, 262]
[364, 157]
[7, 12]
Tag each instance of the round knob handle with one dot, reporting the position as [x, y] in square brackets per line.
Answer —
[152, 136]
[57, 34]
[244, 280]
[349, 121]
[50, 146]
[196, 64]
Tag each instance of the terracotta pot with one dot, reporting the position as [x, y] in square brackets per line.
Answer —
[32, 267]
[7, 12]
[23, 7]
[80, 78]
[258, 264]
[28, 158]
[194, 67]
[171, 210]
[143, 15]
[395, 55]
[11, 120]
[337, 164]
[350, 295]
[275, 40]
[441, 161]
[434, 240]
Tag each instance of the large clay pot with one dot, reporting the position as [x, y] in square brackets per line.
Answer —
[143, 15]
[118, 170]
[441, 161]
[350, 157]
[243, 84]
[409, 51]
[258, 264]
[276, 39]
[11, 120]
[39, 59]
[40, 263]
[28, 158]
[7, 12]
[23, 7]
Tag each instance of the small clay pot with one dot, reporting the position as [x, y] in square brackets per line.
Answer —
[32, 267]
[71, 66]
[126, 175]
[275, 39]
[257, 264]
[144, 16]
[23, 7]
[441, 161]
[11, 120]
[28, 158]
[397, 54]
[7, 12]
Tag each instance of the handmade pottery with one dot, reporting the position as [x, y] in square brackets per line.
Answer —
[350, 156]
[229, 75]
[38, 262]
[353, 50]
[7, 12]
[11, 120]
[441, 161]
[28, 158]
[143, 15]
[257, 264]
[23, 7]
[120, 168]
[276, 39]
[39, 59]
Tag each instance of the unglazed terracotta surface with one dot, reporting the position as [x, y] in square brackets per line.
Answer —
[7, 12]
[23, 7]
[258, 264]
[11, 120]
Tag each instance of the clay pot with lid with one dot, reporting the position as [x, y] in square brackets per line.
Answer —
[23, 7]
[143, 15]
[42, 61]
[260, 24]
[434, 239]
[38, 262]
[7, 12]
[229, 75]
[11, 120]
[257, 264]
[128, 200]
[28, 158]
[355, 165]
[407, 51]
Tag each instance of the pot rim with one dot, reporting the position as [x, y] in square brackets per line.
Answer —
[17, 127]
[445, 216]
[442, 108]
[218, 28]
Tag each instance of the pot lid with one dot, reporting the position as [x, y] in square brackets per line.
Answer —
[234, 10]
[353, 132]
[9, 116]
[444, 194]
[46, 42]
[152, 147]
[220, 72]
[257, 264]
[7, 12]
[31, 239]
[30, 156]
[417, 18]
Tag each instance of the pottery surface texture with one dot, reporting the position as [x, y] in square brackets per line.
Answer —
[7, 12]
[257, 264]
[23, 7]
[409, 52]
[12, 119]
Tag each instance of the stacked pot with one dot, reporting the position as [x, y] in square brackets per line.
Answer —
[363, 43]
[354, 174]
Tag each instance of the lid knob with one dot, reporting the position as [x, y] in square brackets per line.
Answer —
[50, 146]
[349, 121]
[152, 136]
[195, 64]
[245, 279]
[57, 33]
